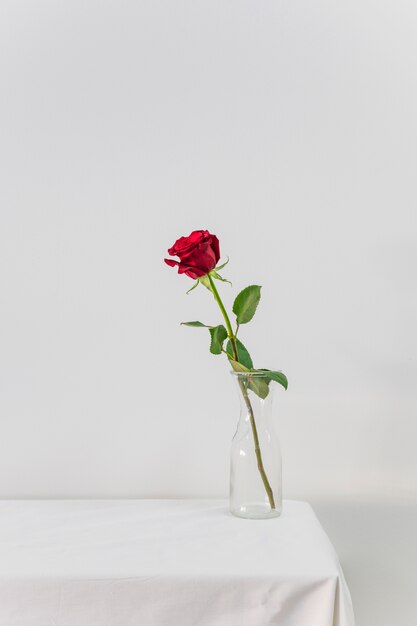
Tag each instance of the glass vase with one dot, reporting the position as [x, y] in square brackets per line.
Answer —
[255, 469]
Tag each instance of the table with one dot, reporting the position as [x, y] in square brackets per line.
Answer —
[165, 563]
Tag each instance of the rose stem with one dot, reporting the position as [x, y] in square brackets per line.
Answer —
[257, 447]
[245, 394]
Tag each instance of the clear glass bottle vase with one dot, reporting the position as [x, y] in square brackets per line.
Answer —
[255, 469]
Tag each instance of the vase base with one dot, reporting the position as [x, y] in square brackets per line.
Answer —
[255, 511]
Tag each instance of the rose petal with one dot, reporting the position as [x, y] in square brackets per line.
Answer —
[198, 253]
[216, 247]
[189, 270]
[184, 245]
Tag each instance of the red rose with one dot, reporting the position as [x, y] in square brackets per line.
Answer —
[198, 253]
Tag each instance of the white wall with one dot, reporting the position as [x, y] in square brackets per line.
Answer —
[289, 130]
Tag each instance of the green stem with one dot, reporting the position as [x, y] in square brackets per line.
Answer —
[261, 468]
[245, 394]
[225, 316]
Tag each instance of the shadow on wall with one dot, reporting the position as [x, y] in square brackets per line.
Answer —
[377, 547]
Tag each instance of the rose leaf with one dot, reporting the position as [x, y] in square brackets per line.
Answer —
[279, 377]
[218, 335]
[242, 353]
[245, 304]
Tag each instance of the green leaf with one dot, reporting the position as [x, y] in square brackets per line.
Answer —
[204, 280]
[244, 306]
[218, 335]
[238, 367]
[195, 324]
[279, 377]
[259, 386]
[220, 267]
[242, 353]
[193, 287]
[218, 277]
[256, 384]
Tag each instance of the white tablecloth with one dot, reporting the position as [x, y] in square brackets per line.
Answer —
[165, 563]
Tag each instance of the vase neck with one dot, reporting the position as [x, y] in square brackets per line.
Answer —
[255, 396]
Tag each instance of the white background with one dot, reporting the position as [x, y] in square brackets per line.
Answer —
[289, 130]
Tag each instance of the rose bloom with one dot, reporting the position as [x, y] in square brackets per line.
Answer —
[198, 254]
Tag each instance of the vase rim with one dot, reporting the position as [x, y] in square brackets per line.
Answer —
[250, 374]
